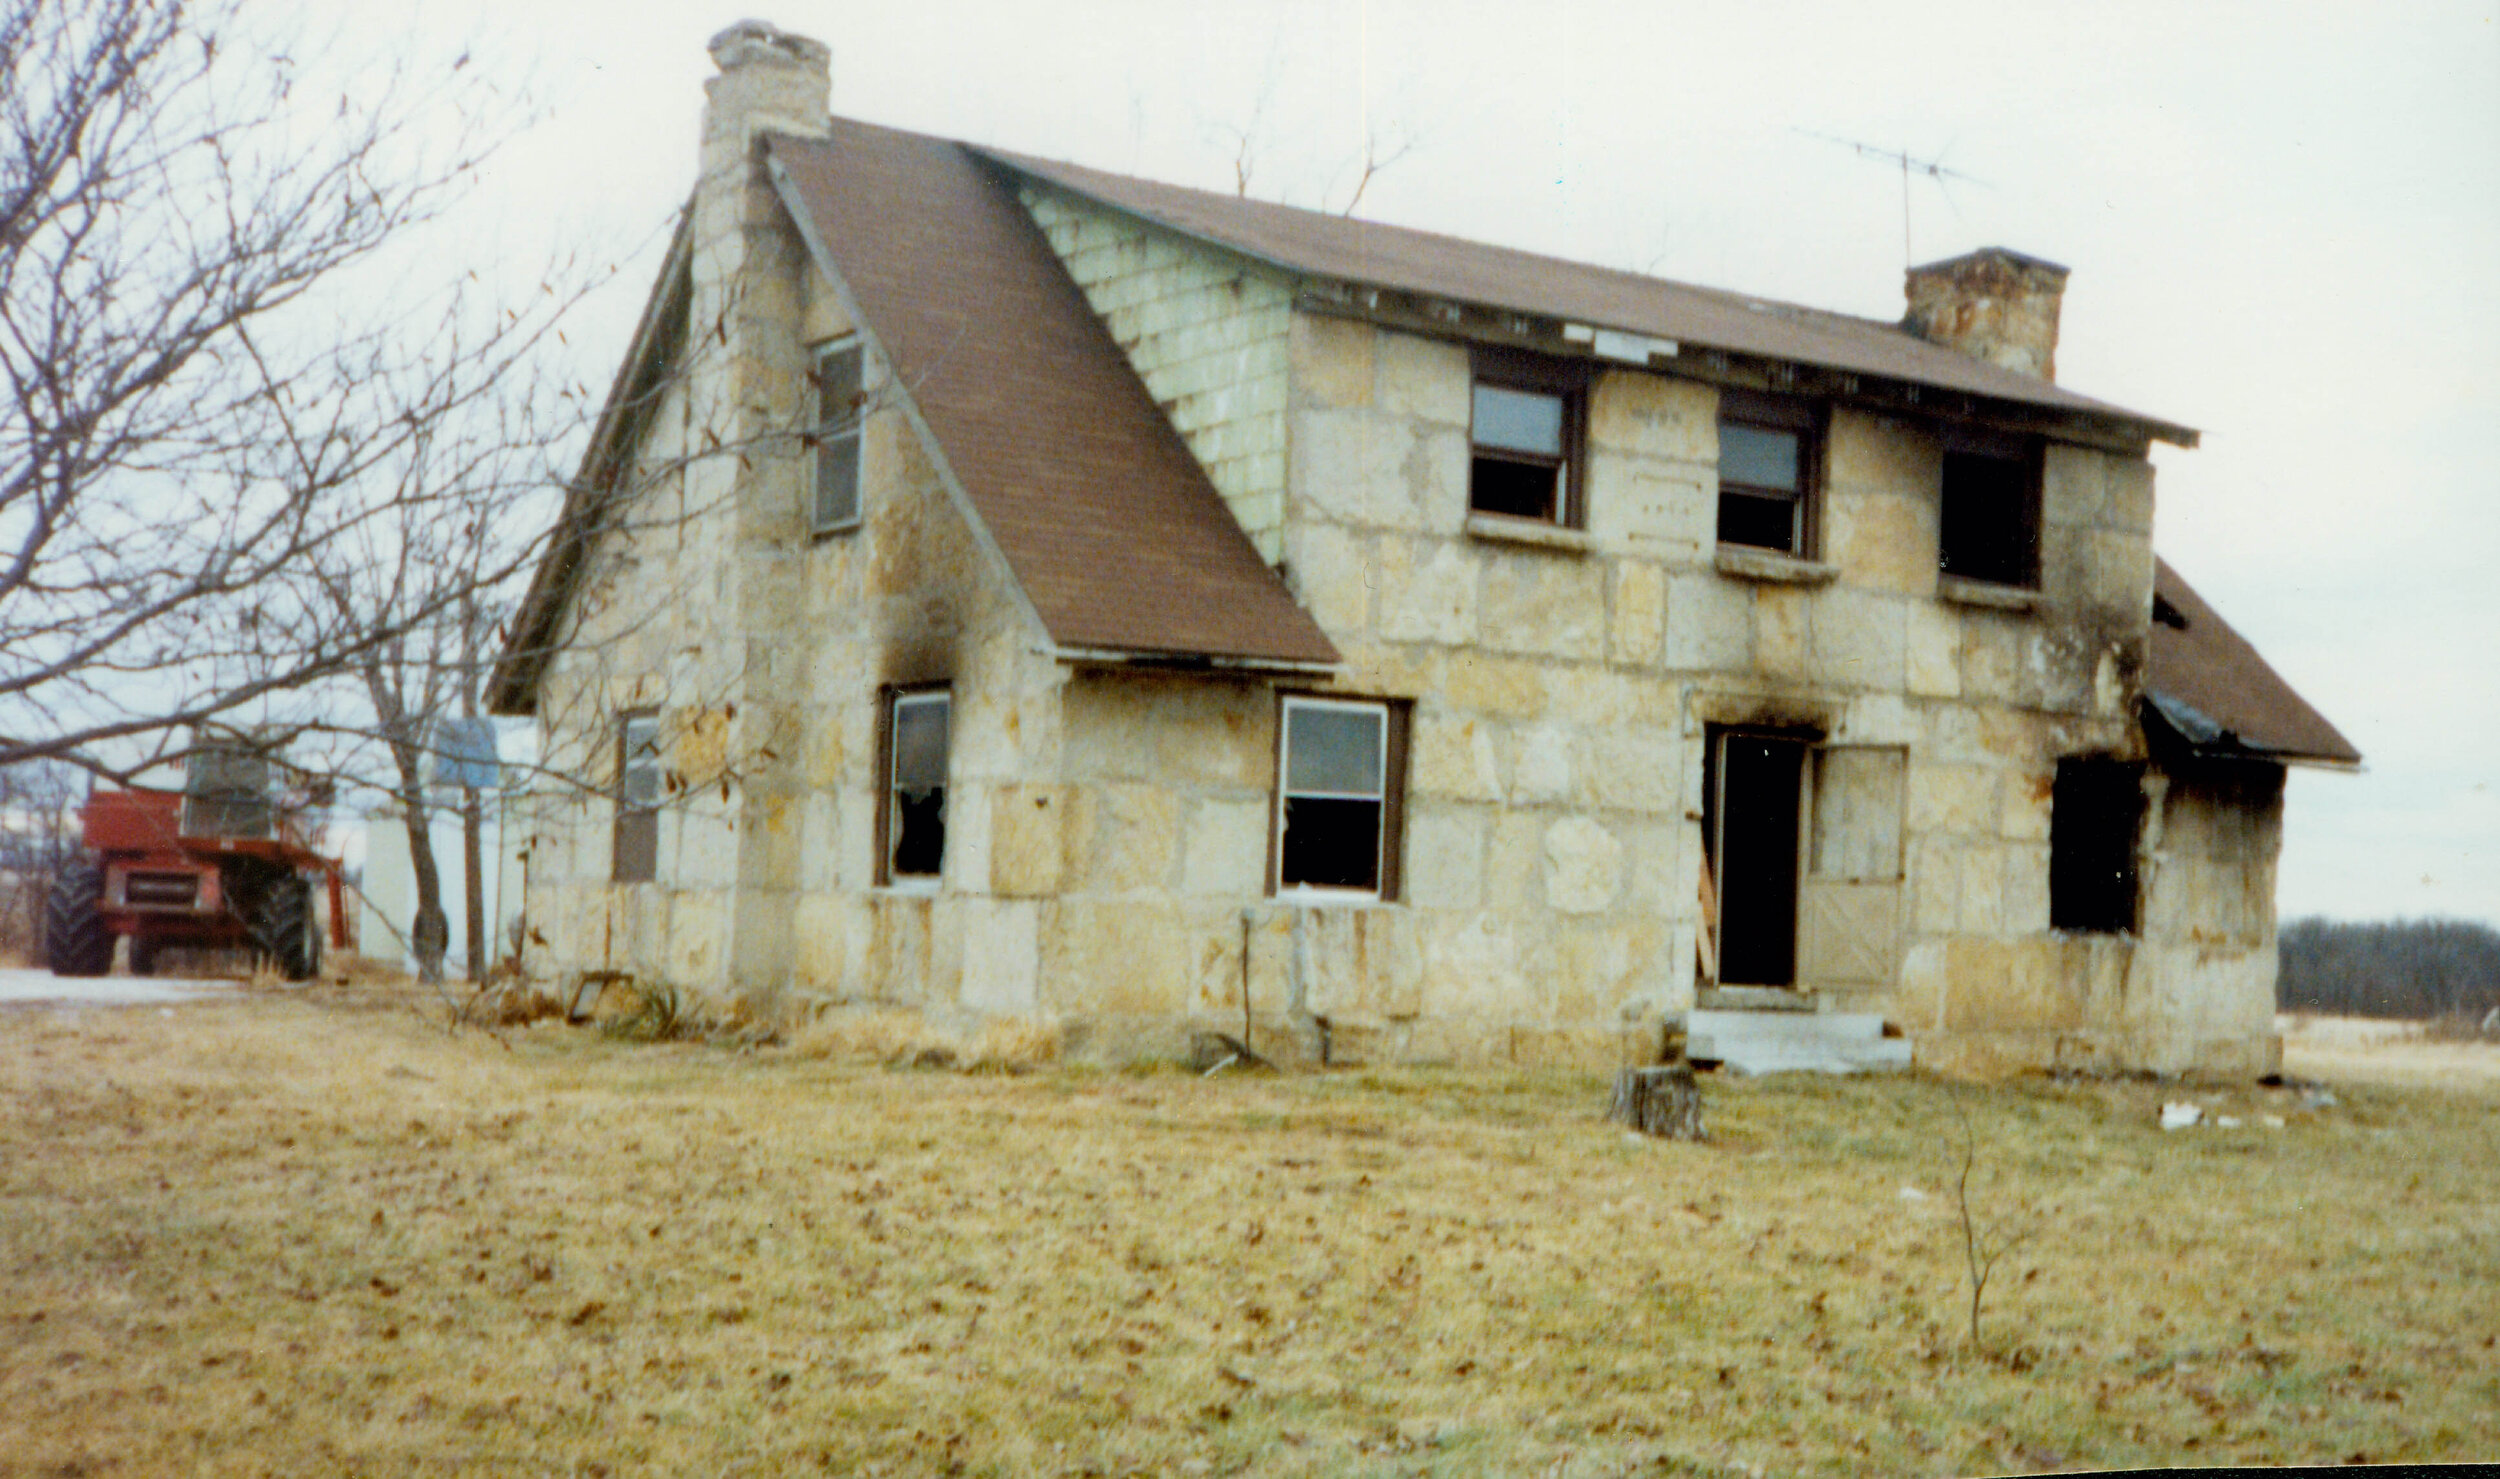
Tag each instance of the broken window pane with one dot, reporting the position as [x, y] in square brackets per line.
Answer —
[1334, 806]
[1521, 490]
[2095, 808]
[1519, 420]
[1764, 522]
[641, 780]
[1765, 459]
[634, 846]
[1330, 843]
[917, 820]
[1990, 519]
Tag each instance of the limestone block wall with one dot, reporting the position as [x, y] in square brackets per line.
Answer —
[2202, 988]
[766, 651]
[1206, 332]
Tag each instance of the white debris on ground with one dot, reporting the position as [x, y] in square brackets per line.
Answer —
[33, 986]
[2179, 1114]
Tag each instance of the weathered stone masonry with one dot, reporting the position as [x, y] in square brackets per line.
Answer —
[1110, 829]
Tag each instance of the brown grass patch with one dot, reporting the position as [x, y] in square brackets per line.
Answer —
[278, 1234]
[908, 1040]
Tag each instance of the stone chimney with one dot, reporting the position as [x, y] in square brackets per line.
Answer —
[1998, 305]
[770, 81]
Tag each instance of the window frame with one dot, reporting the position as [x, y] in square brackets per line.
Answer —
[828, 432]
[1809, 421]
[1390, 842]
[891, 703]
[637, 820]
[2029, 456]
[1534, 374]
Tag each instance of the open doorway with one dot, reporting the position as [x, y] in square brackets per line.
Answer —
[1752, 816]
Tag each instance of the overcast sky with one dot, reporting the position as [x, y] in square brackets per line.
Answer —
[2283, 221]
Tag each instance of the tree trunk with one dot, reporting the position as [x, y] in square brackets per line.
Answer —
[1665, 1102]
[430, 933]
[472, 824]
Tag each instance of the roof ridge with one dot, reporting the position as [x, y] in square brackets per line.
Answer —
[1030, 164]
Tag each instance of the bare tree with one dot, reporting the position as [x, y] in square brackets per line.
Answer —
[209, 383]
[37, 830]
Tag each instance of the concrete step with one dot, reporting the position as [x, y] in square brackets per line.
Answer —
[1799, 1026]
[1794, 1042]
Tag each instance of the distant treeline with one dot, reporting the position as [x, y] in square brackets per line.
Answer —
[2408, 968]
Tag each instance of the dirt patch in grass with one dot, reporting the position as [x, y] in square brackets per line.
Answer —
[310, 1233]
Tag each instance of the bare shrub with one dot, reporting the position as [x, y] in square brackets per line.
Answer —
[509, 1004]
[655, 1011]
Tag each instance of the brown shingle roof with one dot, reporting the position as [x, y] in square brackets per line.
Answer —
[2206, 682]
[1105, 518]
[1336, 247]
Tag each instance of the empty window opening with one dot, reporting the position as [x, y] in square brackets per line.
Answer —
[839, 400]
[2096, 808]
[1525, 417]
[1990, 522]
[635, 853]
[1767, 450]
[915, 818]
[1339, 770]
[1753, 814]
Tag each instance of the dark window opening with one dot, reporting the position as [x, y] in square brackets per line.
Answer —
[2095, 809]
[916, 756]
[2168, 615]
[1517, 490]
[1752, 814]
[1340, 768]
[1990, 522]
[1525, 417]
[635, 853]
[838, 401]
[1767, 453]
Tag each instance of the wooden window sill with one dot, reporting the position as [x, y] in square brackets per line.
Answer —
[1503, 529]
[1771, 565]
[1987, 593]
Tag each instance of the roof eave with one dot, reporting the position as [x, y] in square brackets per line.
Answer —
[2118, 424]
[512, 687]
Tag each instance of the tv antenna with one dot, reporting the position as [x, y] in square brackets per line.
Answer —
[1931, 168]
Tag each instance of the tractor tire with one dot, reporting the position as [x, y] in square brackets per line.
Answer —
[143, 954]
[284, 928]
[75, 941]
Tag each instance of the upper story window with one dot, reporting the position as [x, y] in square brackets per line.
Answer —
[1989, 527]
[834, 502]
[1526, 421]
[1339, 778]
[635, 852]
[912, 828]
[1770, 460]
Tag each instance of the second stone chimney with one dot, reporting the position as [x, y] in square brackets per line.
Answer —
[1998, 305]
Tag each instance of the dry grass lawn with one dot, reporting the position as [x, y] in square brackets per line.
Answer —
[295, 1235]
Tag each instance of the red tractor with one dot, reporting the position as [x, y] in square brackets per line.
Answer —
[218, 865]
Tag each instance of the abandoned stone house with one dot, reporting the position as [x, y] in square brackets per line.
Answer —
[1001, 587]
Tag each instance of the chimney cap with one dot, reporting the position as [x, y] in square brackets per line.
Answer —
[748, 41]
[1992, 254]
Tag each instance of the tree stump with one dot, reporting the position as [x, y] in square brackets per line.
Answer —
[1665, 1102]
